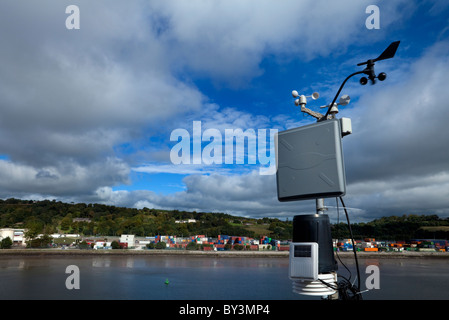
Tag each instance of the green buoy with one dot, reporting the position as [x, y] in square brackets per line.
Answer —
[166, 281]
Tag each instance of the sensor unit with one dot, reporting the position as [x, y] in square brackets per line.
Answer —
[303, 260]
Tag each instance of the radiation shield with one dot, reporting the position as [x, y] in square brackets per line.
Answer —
[309, 162]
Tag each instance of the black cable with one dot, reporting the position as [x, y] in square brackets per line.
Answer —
[336, 96]
[355, 291]
[346, 290]
[336, 253]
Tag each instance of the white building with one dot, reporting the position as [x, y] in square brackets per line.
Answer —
[102, 244]
[186, 221]
[6, 232]
[63, 235]
[127, 238]
[16, 235]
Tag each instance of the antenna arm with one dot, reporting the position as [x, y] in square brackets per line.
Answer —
[338, 93]
[314, 114]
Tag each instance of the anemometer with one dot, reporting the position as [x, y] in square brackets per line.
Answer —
[310, 165]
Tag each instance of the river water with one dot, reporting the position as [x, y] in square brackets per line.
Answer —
[203, 278]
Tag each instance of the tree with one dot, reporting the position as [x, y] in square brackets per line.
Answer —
[6, 243]
[33, 231]
[192, 246]
[150, 245]
[161, 245]
[83, 245]
[42, 242]
[66, 222]
[115, 245]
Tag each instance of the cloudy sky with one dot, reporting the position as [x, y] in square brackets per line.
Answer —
[89, 114]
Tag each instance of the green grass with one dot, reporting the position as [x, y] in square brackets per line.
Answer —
[259, 229]
[64, 240]
[436, 228]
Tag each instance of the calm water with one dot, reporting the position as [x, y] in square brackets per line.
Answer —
[203, 278]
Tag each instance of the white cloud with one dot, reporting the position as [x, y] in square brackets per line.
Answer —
[227, 40]
[63, 179]
[249, 194]
[69, 98]
[182, 169]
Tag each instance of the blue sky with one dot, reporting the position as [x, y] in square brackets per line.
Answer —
[87, 113]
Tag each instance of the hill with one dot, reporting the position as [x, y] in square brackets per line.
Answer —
[396, 228]
[98, 219]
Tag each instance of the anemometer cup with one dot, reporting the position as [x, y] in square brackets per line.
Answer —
[382, 76]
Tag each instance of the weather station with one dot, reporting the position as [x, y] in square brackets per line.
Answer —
[310, 166]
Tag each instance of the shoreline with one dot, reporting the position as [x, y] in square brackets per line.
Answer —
[221, 254]
[131, 252]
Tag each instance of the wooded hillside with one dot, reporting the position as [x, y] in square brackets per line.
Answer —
[98, 219]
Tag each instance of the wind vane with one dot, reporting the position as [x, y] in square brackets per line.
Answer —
[301, 100]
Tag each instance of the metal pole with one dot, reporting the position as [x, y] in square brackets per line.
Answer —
[320, 208]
